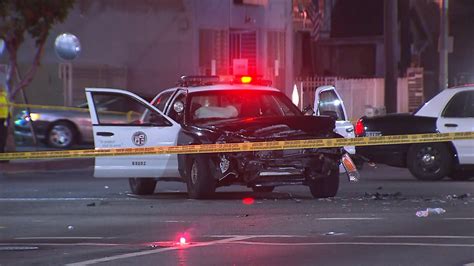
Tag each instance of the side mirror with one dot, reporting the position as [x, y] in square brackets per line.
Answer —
[178, 107]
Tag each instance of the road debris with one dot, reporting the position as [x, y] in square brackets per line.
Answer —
[459, 197]
[331, 233]
[70, 227]
[429, 211]
[384, 196]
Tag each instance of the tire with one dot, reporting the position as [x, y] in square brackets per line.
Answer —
[61, 135]
[142, 186]
[199, 181]
[325, 187]
[263, 189]
[461, 175]
[429, 162]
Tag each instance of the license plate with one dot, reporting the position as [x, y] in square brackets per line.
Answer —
[351, 170]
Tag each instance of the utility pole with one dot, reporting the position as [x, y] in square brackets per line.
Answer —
[443, 44]
[391, 51]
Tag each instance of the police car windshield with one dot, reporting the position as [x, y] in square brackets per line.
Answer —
[239, 104]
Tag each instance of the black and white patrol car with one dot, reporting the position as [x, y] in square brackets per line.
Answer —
[452, 110]
[205, 110]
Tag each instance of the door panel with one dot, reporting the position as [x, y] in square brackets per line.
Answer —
[458, 116]
[130, 123]
[328, 102]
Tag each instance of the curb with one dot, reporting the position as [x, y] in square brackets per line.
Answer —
[32, 166]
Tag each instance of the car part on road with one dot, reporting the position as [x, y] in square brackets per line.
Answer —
[431, 161]
[142, 186]
[428, 211]
[61, 135]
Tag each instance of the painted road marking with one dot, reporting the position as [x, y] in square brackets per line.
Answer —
[352, 243]
[239, 239]
[63, 238]
[350, 218]
[414, 236]
[66, 244]
[64, 199]
[149, 252]
[460, 218]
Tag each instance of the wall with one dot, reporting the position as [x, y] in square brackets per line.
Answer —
[357, 94]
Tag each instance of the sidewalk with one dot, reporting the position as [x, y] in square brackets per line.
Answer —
[42, 165]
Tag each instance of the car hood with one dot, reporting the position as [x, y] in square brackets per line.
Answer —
[273, 128]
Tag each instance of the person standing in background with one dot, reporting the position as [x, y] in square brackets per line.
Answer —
[3, 118]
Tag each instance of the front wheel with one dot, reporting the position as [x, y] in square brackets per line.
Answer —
[429, 162]
[142, 186]
[325, 187]
[199, 181]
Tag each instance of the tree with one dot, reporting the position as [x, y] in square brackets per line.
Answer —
[35, 18]
[32, 17]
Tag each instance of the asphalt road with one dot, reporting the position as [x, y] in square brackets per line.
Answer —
[68, 217]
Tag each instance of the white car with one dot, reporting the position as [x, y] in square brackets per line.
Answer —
[452, 110]
[203, 110]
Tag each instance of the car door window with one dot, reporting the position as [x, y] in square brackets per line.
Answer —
[329, 104]
[113, 109]
[460, 105]
[161, 100]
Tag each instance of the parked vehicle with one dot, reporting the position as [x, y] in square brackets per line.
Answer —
[452, 110]
[62, 127]
[203, 110]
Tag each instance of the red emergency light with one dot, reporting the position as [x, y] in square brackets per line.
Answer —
[246, 79]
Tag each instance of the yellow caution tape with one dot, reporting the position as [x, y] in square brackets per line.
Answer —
[49, 107]
[243, 147]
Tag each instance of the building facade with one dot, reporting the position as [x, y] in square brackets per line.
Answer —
[145, 46]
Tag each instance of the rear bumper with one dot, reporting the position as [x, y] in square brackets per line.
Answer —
[393, 155]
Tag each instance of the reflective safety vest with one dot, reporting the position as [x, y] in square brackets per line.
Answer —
[3, 105]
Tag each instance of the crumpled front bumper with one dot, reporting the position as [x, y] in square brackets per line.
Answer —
[277, 168]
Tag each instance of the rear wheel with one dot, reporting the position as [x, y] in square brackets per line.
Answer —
[263, 189]
[199, 180]
[431, 161]
[61, 135]
[325, 187]
[142, 186]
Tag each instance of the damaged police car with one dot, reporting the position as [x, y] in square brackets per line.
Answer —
[206, 110]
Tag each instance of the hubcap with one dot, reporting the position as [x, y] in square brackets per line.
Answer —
[60, 135]
[429, 160]
[194, 173]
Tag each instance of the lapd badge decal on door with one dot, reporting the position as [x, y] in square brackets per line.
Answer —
[139, 138]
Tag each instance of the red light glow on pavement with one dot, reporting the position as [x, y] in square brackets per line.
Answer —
[248, 201]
